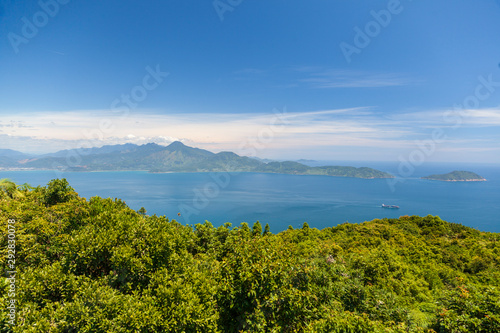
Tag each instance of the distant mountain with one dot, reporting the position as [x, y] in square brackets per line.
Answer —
[107, 158]
[176, 157]
[11, 158]
[457, 176]
[9, 153]
[89, 151]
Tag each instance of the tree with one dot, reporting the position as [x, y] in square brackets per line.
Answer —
[305, 226]
[9, 189]
[58, 191]
[267, 230]
[26, 187]
[257, 229]
[244, 228]
[142, 211]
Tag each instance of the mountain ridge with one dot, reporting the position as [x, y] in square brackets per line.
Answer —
[176, 157]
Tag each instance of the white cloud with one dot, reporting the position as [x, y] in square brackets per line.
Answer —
[229, 130]
[361, 130]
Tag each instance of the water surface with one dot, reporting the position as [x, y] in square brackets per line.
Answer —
[283, 200]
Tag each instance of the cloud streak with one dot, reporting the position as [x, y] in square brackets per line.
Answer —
[362, 130]
[333, 78]
[487, 117]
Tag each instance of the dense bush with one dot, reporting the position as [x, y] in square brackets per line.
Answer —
[98, 266]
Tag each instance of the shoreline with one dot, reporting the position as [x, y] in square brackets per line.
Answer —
[166, 172]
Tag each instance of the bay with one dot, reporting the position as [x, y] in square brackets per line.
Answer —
[283, 200]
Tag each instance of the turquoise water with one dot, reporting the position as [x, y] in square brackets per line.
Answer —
[283, 200]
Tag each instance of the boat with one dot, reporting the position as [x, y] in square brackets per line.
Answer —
[390, 206]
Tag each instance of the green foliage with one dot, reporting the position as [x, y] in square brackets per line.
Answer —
[267, 229]
[142, 211]
[257, 229]
[9, 189]
[98, 266]
[468, 308]
[58, 191]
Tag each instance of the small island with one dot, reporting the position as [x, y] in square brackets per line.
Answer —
[457, 176]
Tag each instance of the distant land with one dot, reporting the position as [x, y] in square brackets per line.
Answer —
[175, 157]
[457, 176]
[306, 161]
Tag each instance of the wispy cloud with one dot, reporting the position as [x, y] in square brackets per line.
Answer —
[333, 126]
[361, 130]
[333, 78]
[57, 52]
[488, 117]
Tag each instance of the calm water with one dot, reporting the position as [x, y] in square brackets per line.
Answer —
[283, 200]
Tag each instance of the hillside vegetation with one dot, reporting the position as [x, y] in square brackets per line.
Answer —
[98, 266]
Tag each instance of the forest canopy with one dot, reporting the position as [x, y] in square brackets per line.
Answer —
[96, 265]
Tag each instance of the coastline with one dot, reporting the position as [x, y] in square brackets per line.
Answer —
[160, 172]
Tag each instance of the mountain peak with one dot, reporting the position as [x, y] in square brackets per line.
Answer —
[176, 145]
[151, 144]
[227, 154]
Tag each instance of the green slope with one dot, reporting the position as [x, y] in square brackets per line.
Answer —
[98, 266]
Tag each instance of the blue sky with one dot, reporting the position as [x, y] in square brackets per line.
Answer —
[265, 78]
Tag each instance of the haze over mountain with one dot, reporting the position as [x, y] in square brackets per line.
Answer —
[175, 157]
[94, 150]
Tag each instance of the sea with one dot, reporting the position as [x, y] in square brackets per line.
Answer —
[290, 200]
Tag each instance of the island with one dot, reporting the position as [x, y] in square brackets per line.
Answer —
[457, 176]
[176, 157]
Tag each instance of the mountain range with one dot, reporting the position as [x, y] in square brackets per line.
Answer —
[175, 157]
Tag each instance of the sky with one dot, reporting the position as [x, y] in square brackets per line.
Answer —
[373, 80]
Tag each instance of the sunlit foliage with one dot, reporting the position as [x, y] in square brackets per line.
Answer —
[98, 266]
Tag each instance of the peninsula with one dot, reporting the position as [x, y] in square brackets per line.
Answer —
[176, 157]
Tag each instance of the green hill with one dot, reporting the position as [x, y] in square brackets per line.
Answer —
[98, 266]
[456, 176]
